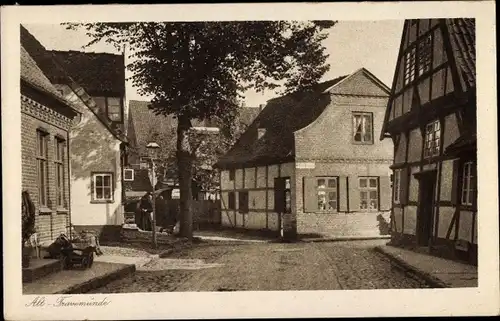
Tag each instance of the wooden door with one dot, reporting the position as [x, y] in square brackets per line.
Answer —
[427, 185]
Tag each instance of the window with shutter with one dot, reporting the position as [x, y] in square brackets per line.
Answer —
[231, 201]
[279, 195]
[243, 202]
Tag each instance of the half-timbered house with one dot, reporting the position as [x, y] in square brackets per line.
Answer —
[431, 118]
[309, 164]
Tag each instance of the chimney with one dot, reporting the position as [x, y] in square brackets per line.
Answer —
[261, 106]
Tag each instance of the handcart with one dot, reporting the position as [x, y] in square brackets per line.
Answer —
[78, 251]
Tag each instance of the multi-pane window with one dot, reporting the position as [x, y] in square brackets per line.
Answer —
[468, 183]
[396, 185]
[418, 59]
[326, 190]
[432, 139]
[362, 127]
[410, 64]
[368, 193]
[59, 171]
[42, 168]
[231, 201]
[103, 187]
[424, 55]
[113, 105]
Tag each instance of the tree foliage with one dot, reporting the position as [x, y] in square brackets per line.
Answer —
[199, 70]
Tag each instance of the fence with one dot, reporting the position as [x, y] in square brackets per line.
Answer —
[205, 213]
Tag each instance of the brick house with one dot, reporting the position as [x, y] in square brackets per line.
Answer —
[431, 118]
[46, 118]
[309, 163]
[95, 84]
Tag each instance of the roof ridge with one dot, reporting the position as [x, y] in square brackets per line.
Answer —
[85, 52]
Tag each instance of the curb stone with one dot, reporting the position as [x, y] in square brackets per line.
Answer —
[343, 239]
[99, 281]
[405, 267]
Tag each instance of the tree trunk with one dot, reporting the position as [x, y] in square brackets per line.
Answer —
[185, 170]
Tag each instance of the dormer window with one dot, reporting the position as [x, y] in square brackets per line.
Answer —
[114, 108]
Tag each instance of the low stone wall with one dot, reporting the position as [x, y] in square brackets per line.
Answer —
[106, 233]
[131, 233]
[357, 224]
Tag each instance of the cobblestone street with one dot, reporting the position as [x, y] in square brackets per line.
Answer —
[258, 267]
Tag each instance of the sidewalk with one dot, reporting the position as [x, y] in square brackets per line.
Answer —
[438, 272]
[79, 281]
[345, 238]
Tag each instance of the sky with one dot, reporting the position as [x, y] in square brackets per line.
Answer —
[351, 45]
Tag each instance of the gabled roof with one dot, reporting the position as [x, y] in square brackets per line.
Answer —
[95, 72]
[144, 122]
[280, 118]
[33, 75]
[248, 115]
[463, 42]
[462, 35]
[54, 71]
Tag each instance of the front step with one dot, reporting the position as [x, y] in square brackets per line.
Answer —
[39, 268]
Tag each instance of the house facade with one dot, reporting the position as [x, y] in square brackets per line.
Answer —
[46, 118]
[309, 163]
[95, 84]
[431, 118]
[98, 146]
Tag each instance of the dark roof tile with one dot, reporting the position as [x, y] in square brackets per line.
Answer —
[280, 118]
[95, 72]
[463, 41]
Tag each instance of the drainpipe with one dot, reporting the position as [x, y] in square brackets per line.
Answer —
[69, 182]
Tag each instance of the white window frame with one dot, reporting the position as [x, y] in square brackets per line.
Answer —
[111, 187]
[325, 190]
[368, 189]
[467, 179]
[364, 117]
[424, 57]
[110, 114]
[59, 162]
[432, 139]
[397, 186]
[129, 170]
[410, 65]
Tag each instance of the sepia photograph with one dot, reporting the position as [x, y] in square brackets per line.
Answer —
[246, 155]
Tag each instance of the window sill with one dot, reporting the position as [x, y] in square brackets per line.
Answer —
[101, 201]
[44, 211]
[62, 211]
[362, 143]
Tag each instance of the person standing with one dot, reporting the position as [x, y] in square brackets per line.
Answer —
[146, 207]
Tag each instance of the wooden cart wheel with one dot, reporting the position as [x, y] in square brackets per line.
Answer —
[67, 262]
[85, 261]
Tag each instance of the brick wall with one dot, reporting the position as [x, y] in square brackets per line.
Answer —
[48, 225]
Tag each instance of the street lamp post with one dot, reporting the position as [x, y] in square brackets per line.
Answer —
[153, 148]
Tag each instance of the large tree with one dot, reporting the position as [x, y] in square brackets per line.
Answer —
[198, 70]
